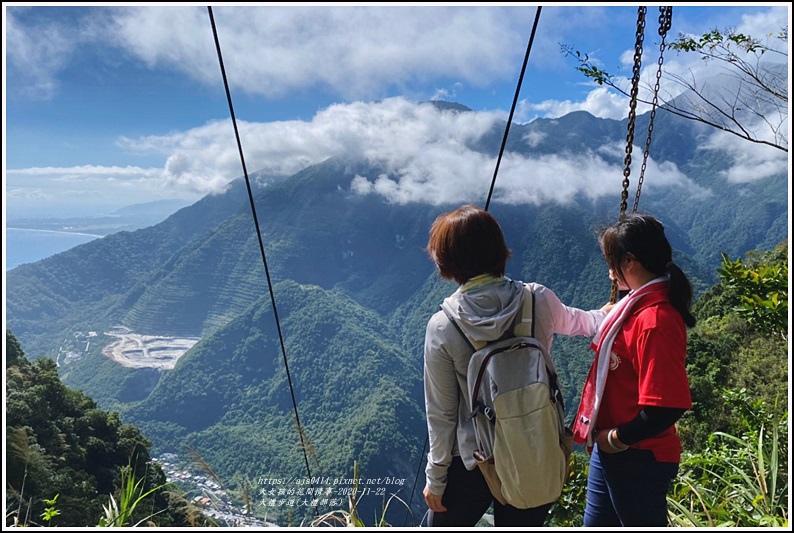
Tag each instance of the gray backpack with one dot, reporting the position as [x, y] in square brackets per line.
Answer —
[518, 413]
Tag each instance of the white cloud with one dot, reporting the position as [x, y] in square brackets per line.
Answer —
[428, 162]
[665, 173]
[424, 153]
[85, 172]
[767, 26]
[81, 189]
[448, 94]
[348, 51]
[39, 52]
[749, 161]
[393, 132]
[600, 102]
[534, 138]
[355, 51]
[557, 178]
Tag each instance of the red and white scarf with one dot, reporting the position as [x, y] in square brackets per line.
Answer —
[593, 391]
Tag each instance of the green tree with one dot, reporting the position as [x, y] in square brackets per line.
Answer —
[61, 448]
[738, 342]
[13, 350]
[762, 287]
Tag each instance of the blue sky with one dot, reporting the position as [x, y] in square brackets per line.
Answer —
[123, 104]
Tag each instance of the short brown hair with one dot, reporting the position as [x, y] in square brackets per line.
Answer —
[467, 242]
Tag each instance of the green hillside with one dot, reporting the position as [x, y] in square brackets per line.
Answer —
[356, 392]
[65, 456]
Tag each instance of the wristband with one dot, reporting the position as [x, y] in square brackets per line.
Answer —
[611, 443]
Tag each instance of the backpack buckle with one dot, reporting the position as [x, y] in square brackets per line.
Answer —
[481, 408]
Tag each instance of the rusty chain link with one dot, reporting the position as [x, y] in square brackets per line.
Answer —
[665, 22]
[635, 82]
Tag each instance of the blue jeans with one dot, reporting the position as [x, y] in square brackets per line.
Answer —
[467, 498]
[627, 489]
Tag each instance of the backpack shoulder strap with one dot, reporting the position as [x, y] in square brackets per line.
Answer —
[525, 320]
[529, 318]
[457, 327]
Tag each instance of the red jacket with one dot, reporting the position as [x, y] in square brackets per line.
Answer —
[648, 367]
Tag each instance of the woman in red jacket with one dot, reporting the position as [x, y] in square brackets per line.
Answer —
[637, 387]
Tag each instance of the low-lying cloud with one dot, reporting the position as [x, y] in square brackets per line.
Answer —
[750, 161]
[426, 154]
[85, 190]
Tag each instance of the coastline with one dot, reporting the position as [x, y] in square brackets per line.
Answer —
[64, 232]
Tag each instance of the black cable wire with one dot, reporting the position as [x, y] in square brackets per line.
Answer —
[416, 479]
[259, 233]
[261, 245]
[512, 109]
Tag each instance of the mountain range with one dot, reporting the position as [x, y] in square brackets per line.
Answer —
[353, 290]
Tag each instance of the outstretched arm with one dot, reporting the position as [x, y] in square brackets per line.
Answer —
[571, 320]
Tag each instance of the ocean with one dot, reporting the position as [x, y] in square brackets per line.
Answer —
[30, 245]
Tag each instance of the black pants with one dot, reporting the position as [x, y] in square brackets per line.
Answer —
[467, 497]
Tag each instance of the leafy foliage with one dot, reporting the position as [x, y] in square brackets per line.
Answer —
[713, 40]
[131, 493]
[737, 480]
[62, 450]
[731, 349]
[762, 289]
[568, 511]
[51, 511]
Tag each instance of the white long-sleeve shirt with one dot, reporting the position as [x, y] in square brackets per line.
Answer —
[484, 310]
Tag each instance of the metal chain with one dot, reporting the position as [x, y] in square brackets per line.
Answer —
[665, 22]
[635, 82]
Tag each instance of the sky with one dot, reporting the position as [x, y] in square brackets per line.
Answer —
[108, 106]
